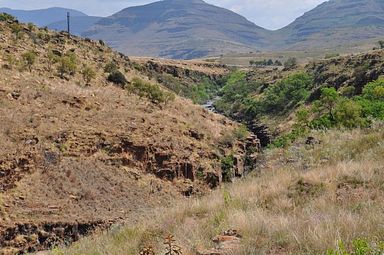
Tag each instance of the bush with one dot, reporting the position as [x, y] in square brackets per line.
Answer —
[151, 91]
[227, 168]
[331, 55]
[88, 74]
[287, 93]
[348, 114]
[328, 100]
[117, 78]
[6, 17]
[111, 67]
[202, 92]
[374, 90]
[372, 100]
[381, 44]
[241, 132]
[29, 59]
[359, 247]
[290, 63]
[67, 65]
[285, 140]
[11, 61]
[236, 93]
[52, 59]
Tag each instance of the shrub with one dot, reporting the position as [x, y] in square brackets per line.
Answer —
[29, 59]
[287, 93]
[328, 100]
[117, 78]
[6, 17]
[381, 44]
[203, 91]
[111, 67]
[31, 26]
[374, 90]
[151, 91]
[290, 63]
[285, 140]
[278, 63]
[15, 28]
[347, 91]
[236, 93]
[88, 74]
[52, 59]
[67, 65]
[227, 168]
[359, 247]
[241, 132]
[372, 100]
[331, 55]
[11, 61]
[348, 114]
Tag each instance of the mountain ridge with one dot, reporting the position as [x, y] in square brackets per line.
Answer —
[182, 29]
[43, 17]
[157, 25]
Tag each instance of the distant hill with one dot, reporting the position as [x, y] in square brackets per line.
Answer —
[187, 29]
[178, 29]
[78, 24]
[335, 23]
[43, 17]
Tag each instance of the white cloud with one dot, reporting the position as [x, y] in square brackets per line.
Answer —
[271, 14]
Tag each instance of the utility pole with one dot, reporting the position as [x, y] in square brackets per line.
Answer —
[68, 24]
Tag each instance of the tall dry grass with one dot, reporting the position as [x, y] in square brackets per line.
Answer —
[302, 201]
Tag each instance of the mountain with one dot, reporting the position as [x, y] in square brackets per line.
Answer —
[43, 17]
[78, 24]
[187, 29]
[335, 23]
[178, 29]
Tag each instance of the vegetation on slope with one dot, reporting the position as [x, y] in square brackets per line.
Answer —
[341, 92]
[306, 199]
[87, 140]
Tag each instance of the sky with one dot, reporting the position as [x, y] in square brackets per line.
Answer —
[270, 14]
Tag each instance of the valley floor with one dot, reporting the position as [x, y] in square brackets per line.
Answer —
[306, 199]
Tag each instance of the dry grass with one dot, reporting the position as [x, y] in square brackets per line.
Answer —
[302, 202]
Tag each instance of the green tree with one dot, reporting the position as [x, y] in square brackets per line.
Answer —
[329, 99]
[348, 113]
[372, 100]
[374, 90]
[286, 94]
[29, 59]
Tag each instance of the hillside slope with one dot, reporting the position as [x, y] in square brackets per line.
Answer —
[305, 199]
[335, 23]
[178, 29]
[80, 155]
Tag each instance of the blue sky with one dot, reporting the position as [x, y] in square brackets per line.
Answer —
[271, 14]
